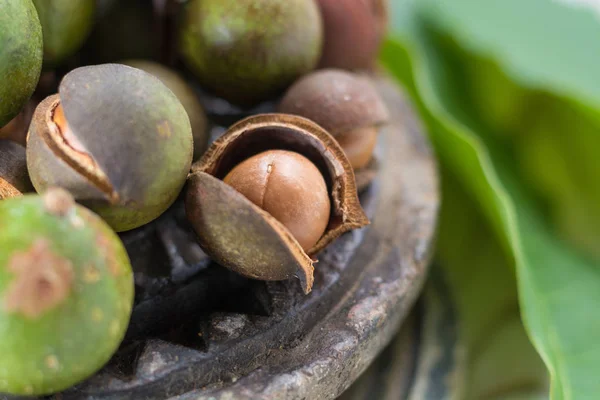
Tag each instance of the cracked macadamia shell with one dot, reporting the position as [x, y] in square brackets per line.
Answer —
[122, 147]
[66, 293]
[247, 239]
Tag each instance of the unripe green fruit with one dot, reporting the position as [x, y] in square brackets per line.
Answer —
[66, 293]
[66, 24]
[20, 55]
[247, 50]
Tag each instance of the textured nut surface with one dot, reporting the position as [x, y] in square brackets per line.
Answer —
[43, 280]
[66, 293]
[247, 50]
[186, 95]
[116, 138]
[290, 188]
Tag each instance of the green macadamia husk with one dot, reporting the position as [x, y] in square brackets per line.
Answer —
[20, 55]
[66, 293]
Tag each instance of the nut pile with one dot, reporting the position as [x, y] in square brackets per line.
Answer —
[102, 130]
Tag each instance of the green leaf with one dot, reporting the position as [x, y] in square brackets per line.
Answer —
[557, 287]
[548, 44]
[557, 154]
[554, 138]
[500, 359]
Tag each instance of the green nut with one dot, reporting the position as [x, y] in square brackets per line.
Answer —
[116, 138]
[65, 24]
[247, 50]
[66, 293]
[20, 55]
[186, 95]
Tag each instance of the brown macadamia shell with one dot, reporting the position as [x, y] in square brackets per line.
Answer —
[117, 139]
[240, 235]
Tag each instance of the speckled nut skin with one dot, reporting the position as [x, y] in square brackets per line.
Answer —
[354, 30]
[65, 25]
[66, 293]
[237, 233]
[117, 139]
[14, 180]
[247, 50]
[345, 104]
[186, 95]
[20, 55]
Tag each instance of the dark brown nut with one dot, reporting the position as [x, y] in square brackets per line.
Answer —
[117, 139]
[248, 239]
[14, 180]
[345, 104]
[186, 95]
[354, 30]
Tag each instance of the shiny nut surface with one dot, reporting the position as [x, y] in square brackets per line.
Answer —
[186, 95]
[288, 186]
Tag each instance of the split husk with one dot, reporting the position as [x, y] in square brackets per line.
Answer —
[243, 237]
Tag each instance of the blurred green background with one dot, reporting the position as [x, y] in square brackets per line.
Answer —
[509, 91]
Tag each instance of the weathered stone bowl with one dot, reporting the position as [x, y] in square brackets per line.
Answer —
[199, 331]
